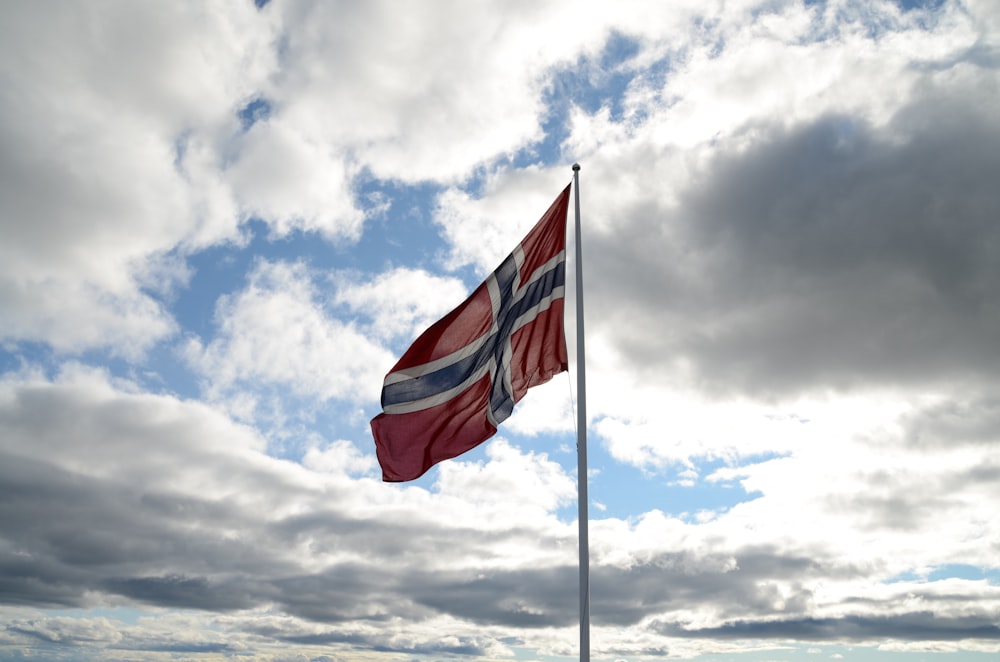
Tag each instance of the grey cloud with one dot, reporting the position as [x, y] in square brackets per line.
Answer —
[67, 632]
[525, 598]
[94, 638]
[893, 509]
[71, 530]
[827, 255]
[346, 592]
[384, 642]
[673, 582]
[915, 626]
[969, 419]
[70, 533]
[184, 592]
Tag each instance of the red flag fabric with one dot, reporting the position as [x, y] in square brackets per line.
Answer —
[461, 378]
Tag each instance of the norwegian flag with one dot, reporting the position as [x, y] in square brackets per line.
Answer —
[461, 378]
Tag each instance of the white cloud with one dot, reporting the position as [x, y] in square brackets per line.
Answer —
[339, 457]
[551, 407]
[510, 482]
[785, 68]
[74, 316]
[483, 231]
[276, 331]
[95, 176]
[875, 498]
[295, 182]
[387, 87]
[401, 302]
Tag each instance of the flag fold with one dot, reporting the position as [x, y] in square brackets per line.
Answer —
[461, 378]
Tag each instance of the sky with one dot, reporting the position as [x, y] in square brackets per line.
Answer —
[221, 223]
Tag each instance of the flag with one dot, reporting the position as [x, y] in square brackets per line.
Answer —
[461, 378]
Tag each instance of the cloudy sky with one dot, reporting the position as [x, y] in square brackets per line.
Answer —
[221, 223]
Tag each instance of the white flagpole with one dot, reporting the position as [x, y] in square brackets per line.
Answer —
[581, 438]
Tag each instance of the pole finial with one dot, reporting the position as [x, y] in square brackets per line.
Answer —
[576, 167]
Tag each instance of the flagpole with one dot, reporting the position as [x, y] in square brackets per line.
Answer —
[581, 438]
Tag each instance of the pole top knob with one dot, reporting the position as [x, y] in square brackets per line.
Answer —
[576, 167]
